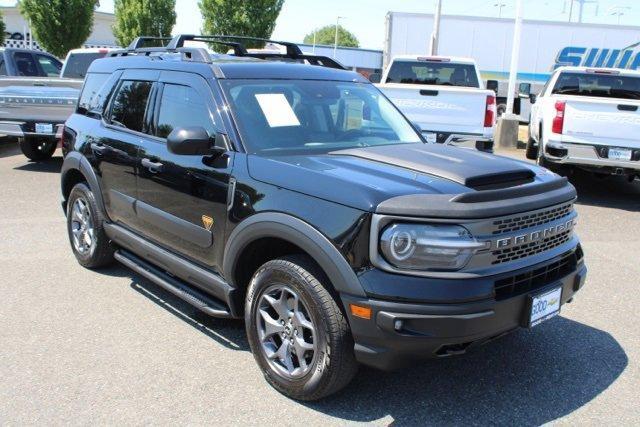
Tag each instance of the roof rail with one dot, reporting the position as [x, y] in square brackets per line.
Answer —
[138, 42]
[178, 41]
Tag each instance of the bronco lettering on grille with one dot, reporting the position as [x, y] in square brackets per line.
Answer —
[533, 236]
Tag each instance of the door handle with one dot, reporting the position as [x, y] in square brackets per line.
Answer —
[154, 167]
[98, 148]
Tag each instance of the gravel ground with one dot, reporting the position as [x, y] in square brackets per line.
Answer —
[85, 347]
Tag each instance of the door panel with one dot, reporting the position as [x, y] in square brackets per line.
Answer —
[182, 200]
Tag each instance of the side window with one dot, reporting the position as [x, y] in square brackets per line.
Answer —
[129, 104]
[91, 98]
[25, 64]
[50, 66]
[3, 68]
[182, 106]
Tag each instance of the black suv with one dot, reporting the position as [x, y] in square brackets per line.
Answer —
[284, 190]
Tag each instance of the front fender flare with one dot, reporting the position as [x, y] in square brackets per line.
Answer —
[299, 233]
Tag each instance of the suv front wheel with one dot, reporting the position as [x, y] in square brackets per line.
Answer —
[298, 335]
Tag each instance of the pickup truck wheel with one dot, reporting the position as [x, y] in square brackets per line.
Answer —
[37, 149]
[89, 242]
[532, 149]
[298, 335]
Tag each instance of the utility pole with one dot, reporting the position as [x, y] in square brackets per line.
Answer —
[433, 48]
[515, 53]
[335, 44]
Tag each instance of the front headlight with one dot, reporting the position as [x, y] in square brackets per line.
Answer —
[428, 247]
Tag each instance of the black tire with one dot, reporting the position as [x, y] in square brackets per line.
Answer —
[333, 363]
[100, 252]
[531, 149]
[37, 149]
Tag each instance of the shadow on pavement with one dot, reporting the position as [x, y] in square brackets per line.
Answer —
[526, 378]
[8, 148]
[612, 192]
[53, 165]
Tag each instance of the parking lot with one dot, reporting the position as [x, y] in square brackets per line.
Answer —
[81, 347]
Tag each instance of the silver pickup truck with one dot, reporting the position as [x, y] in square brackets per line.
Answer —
[32, 108]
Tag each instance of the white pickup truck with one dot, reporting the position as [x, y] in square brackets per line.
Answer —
[444, 96]
[587, 118]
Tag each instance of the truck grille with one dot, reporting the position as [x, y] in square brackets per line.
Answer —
[537, 278]
[534, 219]
[529, 249]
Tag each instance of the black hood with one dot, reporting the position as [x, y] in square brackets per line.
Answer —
[410, 179]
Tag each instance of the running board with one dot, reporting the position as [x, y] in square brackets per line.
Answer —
[180, 289]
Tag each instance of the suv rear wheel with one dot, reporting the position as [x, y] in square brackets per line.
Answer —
[298, 335]
[37, 149]
[89, 242]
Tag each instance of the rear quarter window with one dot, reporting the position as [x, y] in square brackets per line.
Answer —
[93, 98]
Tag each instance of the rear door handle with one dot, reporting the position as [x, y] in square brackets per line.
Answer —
[153, 167]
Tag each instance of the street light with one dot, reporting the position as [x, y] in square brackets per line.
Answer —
[618, 11]
[500, 5]
[335, 44]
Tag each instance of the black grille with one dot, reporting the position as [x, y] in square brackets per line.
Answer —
[528, 249]
[531, 220]
[537, 278]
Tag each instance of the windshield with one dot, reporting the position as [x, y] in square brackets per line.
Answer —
[433, 73]
[601, 85]
[78, 64]
[299, 116]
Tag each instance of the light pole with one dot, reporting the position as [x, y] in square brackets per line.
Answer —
[500, 5]
[433, 48]
[618, 11]
[581, 4]
[515, 53]
[335, 43]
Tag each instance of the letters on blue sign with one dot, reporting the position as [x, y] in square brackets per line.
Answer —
[596, 57]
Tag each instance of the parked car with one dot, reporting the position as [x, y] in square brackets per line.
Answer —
[587, 118]
[32, 108]
[444, 96]
[28, 63]
[299, 198]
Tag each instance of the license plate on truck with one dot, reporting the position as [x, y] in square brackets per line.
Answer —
[44, 128]
[620, 154]
[544, 306]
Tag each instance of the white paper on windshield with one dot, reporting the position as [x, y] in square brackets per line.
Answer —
[277, 110]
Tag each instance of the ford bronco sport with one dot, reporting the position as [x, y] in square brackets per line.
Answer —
[284, 190]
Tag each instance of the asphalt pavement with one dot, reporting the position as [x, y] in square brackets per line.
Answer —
[109, 347]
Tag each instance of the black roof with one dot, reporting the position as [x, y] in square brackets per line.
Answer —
[225, 67]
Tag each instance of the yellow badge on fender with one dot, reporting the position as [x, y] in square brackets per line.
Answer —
[207, 221]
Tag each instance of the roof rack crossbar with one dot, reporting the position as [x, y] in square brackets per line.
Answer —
[138, 42]
[293, 50]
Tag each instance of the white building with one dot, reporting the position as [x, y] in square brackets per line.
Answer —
[18, 33]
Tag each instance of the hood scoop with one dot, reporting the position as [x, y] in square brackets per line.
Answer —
[473, 169]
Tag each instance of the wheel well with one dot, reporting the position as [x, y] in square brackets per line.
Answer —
[256, 254]
[71, 178]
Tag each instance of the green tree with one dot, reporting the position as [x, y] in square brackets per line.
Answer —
[3, 28]
[254, 18]
[327, 35]
[143, 18]
[59, 25]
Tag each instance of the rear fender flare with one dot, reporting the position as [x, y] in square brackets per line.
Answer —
[76, 161]
[299, 233]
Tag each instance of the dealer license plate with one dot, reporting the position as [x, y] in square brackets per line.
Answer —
[619, 154]
[432, 137]
[545, 306]
[44, 128]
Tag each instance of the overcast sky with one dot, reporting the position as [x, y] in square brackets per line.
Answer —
[365, 18]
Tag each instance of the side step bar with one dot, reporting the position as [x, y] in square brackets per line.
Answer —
[180, 289]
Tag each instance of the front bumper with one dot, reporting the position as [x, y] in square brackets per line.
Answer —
[589, 156]
[400, 332]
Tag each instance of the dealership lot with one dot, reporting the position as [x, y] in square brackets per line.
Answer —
[96, 347]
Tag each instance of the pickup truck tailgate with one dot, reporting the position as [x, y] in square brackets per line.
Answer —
[440, 108]
[602, 121]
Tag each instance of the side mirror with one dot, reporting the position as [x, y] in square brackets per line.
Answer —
[532, 98]
[524, 90]
[492, 85]
[375, 77]
[195, 141]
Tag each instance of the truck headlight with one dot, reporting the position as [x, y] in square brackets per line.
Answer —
[428, 247]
